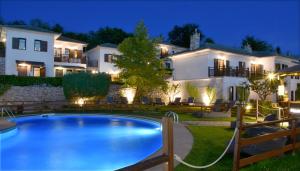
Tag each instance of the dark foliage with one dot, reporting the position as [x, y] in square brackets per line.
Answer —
[27, 81]
[85, 85]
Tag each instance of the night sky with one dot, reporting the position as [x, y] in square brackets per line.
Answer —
[226, 21]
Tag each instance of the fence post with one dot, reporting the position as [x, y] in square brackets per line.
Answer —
[257, 110]
[168, 147]
[237, 149]
[294, 134]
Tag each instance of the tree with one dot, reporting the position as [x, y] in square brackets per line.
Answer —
[57, 28]
[180, 35]
[264, 87]
[140, 68]
[278, 50]
[192, 90]
[256, 44]
[78, 36]
[39, 23]
[16, 22]
[108, 35]
[173, 90]
[209, 40]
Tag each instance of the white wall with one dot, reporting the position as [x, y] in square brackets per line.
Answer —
[190, 66]
[29, 54]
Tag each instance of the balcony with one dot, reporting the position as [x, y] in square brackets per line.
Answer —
[229, 72]
[70, 59]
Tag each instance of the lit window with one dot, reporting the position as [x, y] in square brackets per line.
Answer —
[37, 45]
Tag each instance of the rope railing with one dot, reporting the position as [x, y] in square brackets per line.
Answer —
[176, 157]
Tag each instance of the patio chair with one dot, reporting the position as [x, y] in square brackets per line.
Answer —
[190, 101]
[176, 101]
[218, 105]
[109, 100]
[124, 100]
[145, 100]
[158, 101]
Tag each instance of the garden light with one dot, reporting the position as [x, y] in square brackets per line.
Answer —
[271, 76]
[248, 107]
[129, 93]
[80, 102]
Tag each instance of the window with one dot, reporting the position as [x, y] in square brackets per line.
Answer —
[164, 52]
[59, 72]
[110, 58]
[283, 66]
[231, 93]
[242, 65]
[292, 95]
[292, 77]
[19, 43]
[36, 72]
[277, 67]
[57, 52]
[37, 45]
[40, 45]
[168, 65]
[67, 52]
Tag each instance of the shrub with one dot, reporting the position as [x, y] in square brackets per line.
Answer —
[4, 88]
[192, 90]
[27, 81]
[85, 85]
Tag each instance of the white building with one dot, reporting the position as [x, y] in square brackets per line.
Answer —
[225, 69]
[101, 58]
[29, 51]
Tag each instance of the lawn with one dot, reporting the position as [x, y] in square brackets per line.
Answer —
[209, 143]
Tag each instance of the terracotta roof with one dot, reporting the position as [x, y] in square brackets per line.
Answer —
[67, 39]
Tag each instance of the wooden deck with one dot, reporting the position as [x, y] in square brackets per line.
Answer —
[6, 125]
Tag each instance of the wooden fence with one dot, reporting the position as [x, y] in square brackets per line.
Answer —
[241, 142]
[167, 155]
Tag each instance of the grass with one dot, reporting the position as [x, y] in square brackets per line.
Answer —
[209, 143]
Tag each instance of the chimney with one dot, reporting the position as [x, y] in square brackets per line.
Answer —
[195, 40]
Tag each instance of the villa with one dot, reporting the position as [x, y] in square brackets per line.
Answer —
[29, 51]
[227, 68]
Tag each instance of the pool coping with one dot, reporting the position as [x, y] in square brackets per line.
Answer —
[183, 139]
[6, 126]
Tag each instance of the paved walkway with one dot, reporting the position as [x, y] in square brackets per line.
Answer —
[5, 125]
[183, 142]
[207, 123]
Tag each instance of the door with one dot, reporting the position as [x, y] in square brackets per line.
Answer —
[22, 70]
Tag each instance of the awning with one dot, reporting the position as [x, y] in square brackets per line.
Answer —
[71, 67]
[33, 63]
[290, 71]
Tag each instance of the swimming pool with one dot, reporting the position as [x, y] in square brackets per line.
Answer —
[79, 142]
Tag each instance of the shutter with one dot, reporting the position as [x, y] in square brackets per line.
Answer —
[44, 46]
[15, 43]
[71, 54]
[106, 58]
[79, 53]
[43, 72]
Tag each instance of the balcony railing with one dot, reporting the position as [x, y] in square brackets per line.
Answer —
[235, 72]
[80, 60]
[230, 72]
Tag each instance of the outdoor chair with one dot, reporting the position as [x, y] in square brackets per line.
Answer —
[176, 101]
[158, 101]
[124, 100]
[145, 100]
[218, 105]
[190, 101]
[109, 100]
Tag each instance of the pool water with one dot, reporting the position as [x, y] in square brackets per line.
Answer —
[78, 142]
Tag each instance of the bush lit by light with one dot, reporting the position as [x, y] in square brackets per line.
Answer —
[129, 93]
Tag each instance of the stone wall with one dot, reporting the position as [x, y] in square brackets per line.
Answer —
[33, 93]
[2, 66]
[47, 93]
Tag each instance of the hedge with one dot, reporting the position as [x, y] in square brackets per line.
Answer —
[27, 81]
[85, 85]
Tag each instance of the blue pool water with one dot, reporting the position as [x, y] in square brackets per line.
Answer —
[78, 142]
